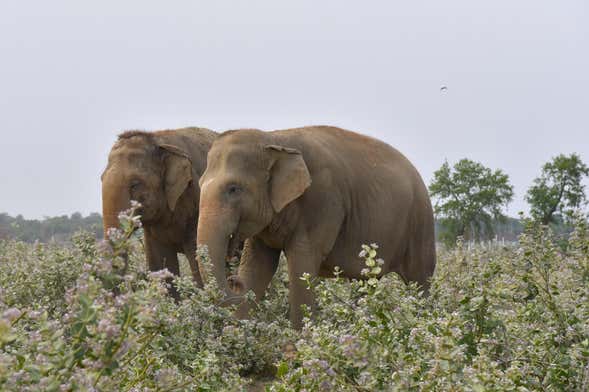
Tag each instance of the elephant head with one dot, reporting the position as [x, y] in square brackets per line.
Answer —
[247, 182]
[139, 168]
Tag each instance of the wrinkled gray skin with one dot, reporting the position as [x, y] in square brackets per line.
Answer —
[160, 170]
[318, 194]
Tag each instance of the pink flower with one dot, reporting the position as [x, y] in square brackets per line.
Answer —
[11, 314]
[161, 274]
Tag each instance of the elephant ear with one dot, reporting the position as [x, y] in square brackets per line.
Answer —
[178, 173]
[289, 176]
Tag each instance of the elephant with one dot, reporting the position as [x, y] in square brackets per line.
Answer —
[160, 170]
[318, 194]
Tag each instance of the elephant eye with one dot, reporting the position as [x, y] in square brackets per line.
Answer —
[134, 185]
[233, 189]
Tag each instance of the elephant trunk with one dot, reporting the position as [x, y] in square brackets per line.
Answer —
[219, 238]
[115, 198]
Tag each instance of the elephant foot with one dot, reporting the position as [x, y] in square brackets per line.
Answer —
[236, 285]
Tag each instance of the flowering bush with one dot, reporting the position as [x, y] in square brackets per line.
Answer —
[499, 318]
[90, 317]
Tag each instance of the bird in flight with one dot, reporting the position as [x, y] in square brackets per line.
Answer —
[443, 89]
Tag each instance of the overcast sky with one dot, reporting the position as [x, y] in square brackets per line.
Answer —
[74, 74]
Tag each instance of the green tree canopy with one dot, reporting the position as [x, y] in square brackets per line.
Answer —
[469, 198]
[558, 190]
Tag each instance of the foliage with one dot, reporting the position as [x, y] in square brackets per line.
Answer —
[511, 318]
[558, 192]
[57, 228]
[497, 318]
[470, 198]
[115, 327]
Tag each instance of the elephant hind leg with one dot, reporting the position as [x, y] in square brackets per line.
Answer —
[420, 257]
[418, 266]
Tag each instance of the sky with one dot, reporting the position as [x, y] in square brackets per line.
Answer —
[74, 74]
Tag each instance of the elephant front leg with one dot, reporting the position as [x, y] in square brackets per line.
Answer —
[160, 256]
[256, 269]
[300, 261]
[190, 253]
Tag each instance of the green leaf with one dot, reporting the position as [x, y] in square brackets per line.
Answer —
[282, 369]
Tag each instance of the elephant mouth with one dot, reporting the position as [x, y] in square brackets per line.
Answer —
[233, 247]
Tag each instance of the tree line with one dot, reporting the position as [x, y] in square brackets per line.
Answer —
[469, 201]
[59, 228]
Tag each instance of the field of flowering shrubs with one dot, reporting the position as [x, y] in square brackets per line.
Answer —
[498, 318]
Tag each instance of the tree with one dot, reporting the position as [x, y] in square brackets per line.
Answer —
[470, 197]
[558, 190]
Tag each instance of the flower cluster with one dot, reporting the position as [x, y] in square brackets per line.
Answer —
[497, 318]
[89, 317]
[374, 265]
[110, 325]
